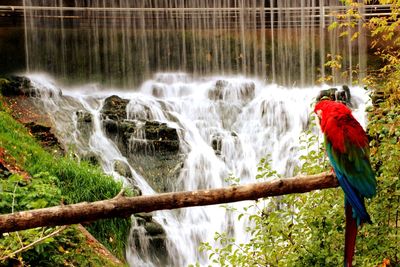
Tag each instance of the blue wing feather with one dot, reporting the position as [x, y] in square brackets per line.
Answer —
[353, 195]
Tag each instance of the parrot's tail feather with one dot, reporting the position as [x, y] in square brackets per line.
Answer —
[350, 236]
[353, 200]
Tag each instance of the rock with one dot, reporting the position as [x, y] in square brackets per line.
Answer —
[151, 233]
[218, 92]
[229, 111]
[114, 108]
[157, 90]
[15, 85]
[159, 135]
[84, 116]
[91, 157]
[248, 91]
[153, 150]
[145, 138]
[143, 243]
[4, 171]
[84, 124]
[122, 168]
[342, 95]
[216, 143]
[159, 244]
[111, 127]
[160, 171]
[377, 97]
[151, 147]
[224, 91]
[155, 130]
[327, 94]
[136, 191]
[44, 135]
[147, 217]
[153, 228]
[174, 172]
[21, 86]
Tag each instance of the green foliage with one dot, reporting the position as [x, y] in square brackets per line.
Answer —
[314, 160]
[65, 249]
[232, 180]
[18, 193]
[54, 181]
[384, 125]
[265, 171]
[292, 231]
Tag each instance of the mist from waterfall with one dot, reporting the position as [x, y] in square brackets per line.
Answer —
[247, 119]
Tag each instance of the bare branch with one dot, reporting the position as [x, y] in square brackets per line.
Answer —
[124, 206]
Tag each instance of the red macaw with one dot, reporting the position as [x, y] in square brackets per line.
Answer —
[346, 144]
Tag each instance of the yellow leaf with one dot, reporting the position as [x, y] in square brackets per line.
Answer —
[355, 36]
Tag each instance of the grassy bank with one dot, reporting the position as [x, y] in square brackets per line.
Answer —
[54, 180]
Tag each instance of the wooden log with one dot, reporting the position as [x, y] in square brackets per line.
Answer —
[121, 206]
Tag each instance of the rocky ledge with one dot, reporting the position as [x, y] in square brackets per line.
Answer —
[22, 86]
[151, 147]
[342, 95]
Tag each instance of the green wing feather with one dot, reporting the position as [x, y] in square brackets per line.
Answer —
[354, 164]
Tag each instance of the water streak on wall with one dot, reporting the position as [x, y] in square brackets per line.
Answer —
[124, 42]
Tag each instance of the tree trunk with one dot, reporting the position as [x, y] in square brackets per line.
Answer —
[121, 206]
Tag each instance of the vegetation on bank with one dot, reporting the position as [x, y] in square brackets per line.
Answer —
[54, 180]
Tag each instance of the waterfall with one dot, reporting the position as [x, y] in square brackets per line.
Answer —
[171, 95]
[224, 124]
[123, 43]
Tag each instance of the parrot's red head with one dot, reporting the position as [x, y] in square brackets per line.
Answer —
[326, 109]
[336, 121]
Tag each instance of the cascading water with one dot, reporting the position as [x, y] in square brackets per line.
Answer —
[225, 125]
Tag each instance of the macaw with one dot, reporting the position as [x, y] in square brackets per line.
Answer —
[346, 144]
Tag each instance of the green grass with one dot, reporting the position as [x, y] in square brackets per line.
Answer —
[77, 182]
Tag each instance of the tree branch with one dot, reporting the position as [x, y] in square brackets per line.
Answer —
[56, 232]
[124, 206]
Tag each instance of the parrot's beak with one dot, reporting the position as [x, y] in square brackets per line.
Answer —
[319, 113]
[319, 116]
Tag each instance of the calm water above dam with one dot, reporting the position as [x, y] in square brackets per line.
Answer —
[123, 43]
